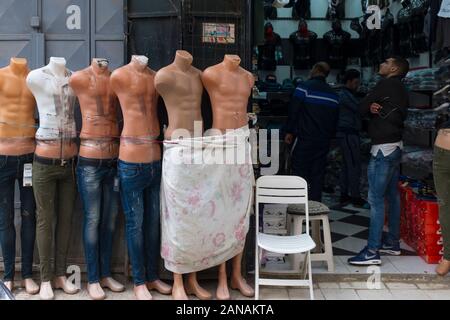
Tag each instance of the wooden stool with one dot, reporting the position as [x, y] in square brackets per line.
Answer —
[317, 212]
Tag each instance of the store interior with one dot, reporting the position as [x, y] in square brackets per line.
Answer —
[290, 37]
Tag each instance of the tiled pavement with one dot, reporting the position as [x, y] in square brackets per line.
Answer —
[323, 291]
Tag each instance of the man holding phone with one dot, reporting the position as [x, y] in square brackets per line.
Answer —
[386, 106]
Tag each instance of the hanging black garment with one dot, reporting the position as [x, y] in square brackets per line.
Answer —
[304, 45]
[419, 39]
[270, 12]
[336, 9]
[267, 52]
[387, 35]
[405, 33]
[301, 9]
[337, 44]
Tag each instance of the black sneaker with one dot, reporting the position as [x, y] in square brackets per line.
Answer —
[360, 203]
[393, 250]
[344, 199]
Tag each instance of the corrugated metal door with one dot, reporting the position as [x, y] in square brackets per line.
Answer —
[154, 30]
[78, 30]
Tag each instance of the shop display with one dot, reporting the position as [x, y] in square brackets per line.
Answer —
[17, 106]
[53, 172]
[229, 87]
[181, 88]
[337, 41]
[139, 171]
[301, 9]
[304, 45]
[97, 172]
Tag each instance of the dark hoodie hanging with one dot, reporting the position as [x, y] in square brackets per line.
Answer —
[267, 53]
[270, 12]
[418, 12]
[303, 43]
[301, 9]
[337, 44]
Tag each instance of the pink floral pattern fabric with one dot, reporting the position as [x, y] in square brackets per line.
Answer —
[205, 207]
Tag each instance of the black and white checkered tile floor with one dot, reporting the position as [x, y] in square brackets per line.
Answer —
[350, 229]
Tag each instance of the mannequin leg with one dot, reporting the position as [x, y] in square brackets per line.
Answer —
[222, 288]
[178, 292]
[194, 288]
[237, 280]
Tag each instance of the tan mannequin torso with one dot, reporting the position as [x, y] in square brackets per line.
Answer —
[98, 105]
[229, 87]
[134, 85]
[443, 139]
[181, 87]
[17, 109]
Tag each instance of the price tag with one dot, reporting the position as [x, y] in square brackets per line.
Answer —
[28, 175]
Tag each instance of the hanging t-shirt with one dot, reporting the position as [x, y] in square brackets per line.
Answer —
[445, 9]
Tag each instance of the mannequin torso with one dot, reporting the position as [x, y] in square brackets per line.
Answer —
[181, 87]
[98, 106]
[134, 85]
[17, 107]
[229, 87]
[55, 101]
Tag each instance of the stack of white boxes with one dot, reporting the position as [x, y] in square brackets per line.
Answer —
[274, 222]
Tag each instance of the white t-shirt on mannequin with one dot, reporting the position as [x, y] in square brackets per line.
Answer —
[55, 100]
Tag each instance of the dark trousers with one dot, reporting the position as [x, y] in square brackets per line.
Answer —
[350, 179]
[309, 161]
[11, 169]
[441, 168]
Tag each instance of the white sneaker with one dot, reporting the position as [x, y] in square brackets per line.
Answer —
[46, 292]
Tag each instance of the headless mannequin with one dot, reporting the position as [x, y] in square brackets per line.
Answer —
[98, 108]
[271, 50]
[229, 87]
[57, 132]
[134, 86]
[181, 87]
[55, 137]
[17, 107]
[99, 133]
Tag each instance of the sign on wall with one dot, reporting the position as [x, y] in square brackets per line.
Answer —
[223, 33]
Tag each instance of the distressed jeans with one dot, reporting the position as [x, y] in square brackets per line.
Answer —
[140, 193]
[11, 169]
[100, 207]
[383, 173]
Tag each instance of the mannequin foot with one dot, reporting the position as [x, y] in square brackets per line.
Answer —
[141, 292]
[223, 293]
[46, 291]
[178, 293]
[196, 290]
[243, 287]
[31, 287]
[95, 291]
[443, 268]
[159, 286]
[9, 285]
[67, 286]
[112, 285]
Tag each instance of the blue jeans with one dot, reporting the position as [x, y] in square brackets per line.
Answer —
[11, 169]
[140, 193]
[383, 173]
[100, 206]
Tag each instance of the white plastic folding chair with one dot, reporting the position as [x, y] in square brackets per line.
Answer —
[283, 190]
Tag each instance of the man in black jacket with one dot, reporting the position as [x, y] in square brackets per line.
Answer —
[386, 106]
[349, 126]
[312, 120]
